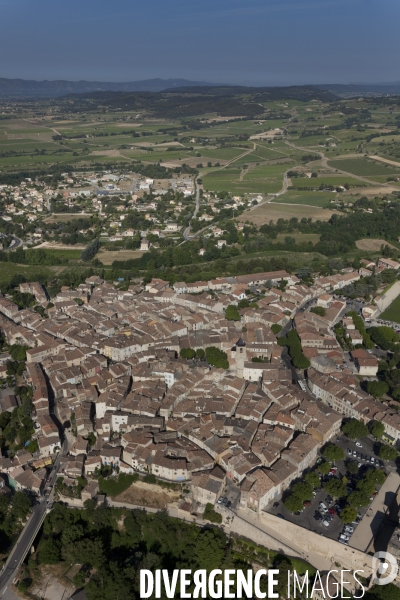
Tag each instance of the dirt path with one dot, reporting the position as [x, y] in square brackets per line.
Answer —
[386, 160]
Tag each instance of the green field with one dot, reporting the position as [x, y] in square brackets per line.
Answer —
[8, 270]
[335, 180]
[260, 179]
[363, 167]
[392, 313]
[317, 198]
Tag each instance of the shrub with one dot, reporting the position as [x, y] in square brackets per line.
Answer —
[211, 515]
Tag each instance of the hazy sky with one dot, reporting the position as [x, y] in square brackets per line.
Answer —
[228, 41]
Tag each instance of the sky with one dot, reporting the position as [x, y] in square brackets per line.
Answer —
[248, 42]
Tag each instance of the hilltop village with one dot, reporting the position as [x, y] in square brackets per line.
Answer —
[157, 380]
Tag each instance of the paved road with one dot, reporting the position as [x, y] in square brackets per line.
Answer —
[196, 210]
[18, 553]
[21, 548]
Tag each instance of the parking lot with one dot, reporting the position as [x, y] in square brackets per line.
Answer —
[306, 518]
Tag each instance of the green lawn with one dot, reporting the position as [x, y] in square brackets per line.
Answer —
[392, 313]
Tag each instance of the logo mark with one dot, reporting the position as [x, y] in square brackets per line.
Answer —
[385, 568]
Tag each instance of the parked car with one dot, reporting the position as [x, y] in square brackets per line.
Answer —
[280, 516]
[323, 507]
[358, 445]
[332, 512]
[325, 522]
[349, 451]
[328, 499]
[306, 503]
[275, 504]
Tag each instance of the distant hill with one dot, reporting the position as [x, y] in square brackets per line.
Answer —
[194, 101]
[23, 88]
[362, 89]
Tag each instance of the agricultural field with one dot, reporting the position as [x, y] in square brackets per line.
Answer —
[326, 180]
[372, 245]
[310, 198]
[272, 212]
[107, 257]
[363, 167]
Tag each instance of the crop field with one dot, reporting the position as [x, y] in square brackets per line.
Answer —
[363, 167]
[273, 211]
[317, 198]
[335, 180]
[107, 257]
[372, 244]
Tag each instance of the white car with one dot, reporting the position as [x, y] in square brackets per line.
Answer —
[326, 523]
[358, 445]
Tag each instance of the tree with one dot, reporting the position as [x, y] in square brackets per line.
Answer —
[348, 514]
[377, 388]
[49, 552]
[91, 250]
[200, 353]
[358, 498]
[21, 505]
[336, 488]
[377, 476]
[319, 310]
[312, 479]
[302, 490]
[324, 467]
[355, 429]
[293, 503]
[387, 452]
[232, 313]
[276, 328]
[187, 353]
[333, 452]
[211, 515]
[217, 358]
[377, 429]
[352, 466]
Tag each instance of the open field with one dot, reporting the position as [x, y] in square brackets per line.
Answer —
[371, 244]
[107, 257]
[312, 198]
[147, 494]
[392, 313]
[273, 211]
[262, 179]
[31, 273]
[325, 180]
[363, 167]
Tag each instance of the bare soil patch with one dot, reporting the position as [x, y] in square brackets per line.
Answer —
[51, 583]
[107, 257]
[147, 494]
[372, 244]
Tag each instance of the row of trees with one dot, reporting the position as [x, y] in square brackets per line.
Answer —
[292, 340]
[91, 250]
[214, 356]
